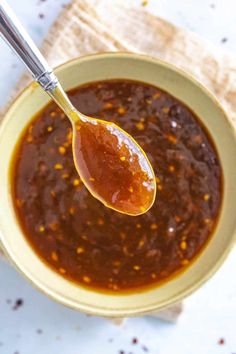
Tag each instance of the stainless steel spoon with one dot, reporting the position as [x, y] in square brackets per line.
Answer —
[125, 182]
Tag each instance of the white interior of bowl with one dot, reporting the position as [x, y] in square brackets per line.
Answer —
[108, 66]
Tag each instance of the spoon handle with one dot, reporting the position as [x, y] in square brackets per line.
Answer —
[18, 39]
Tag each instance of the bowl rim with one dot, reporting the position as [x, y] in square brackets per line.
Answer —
[148, 308]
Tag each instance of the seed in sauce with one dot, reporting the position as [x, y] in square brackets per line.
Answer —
[121, 110]
[54, 256]
[80, 250]
[171, 168]
[206, 197]
[62, 270]
[100, 221]
[153, 226]
[136, 267]
[58, 166]
[76, 182]
[140, 126]
[86, 279]
[62, 150]
[183, 245]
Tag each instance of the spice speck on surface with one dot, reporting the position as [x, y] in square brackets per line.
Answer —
[18, 303]
[144, 348]
[221, 341]
[224, 40]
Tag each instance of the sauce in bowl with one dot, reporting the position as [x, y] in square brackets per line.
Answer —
[92, 245]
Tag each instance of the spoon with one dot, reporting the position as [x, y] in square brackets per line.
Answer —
[110, 163]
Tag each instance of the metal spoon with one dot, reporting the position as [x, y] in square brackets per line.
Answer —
[111, 164]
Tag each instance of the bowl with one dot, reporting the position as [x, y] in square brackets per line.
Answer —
[185, 88]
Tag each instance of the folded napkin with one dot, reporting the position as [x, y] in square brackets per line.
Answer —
[91, 26]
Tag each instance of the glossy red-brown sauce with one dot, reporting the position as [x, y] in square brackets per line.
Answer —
[95, 246]
[113, 167]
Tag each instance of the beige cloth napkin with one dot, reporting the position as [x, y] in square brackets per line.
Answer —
[91, 26]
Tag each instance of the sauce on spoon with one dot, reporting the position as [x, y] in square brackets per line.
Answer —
[113, 166]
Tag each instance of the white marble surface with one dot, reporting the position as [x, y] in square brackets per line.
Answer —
[209, 314]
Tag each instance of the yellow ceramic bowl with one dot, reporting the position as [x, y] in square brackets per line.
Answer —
[185, 88]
